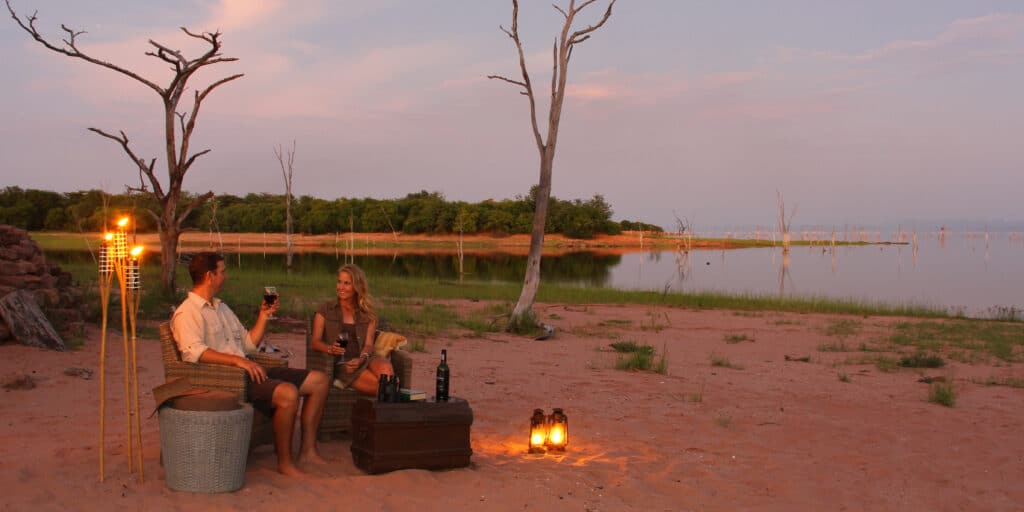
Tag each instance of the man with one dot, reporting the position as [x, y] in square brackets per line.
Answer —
[207, 331]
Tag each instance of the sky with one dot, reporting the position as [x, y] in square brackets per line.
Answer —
[867, 112]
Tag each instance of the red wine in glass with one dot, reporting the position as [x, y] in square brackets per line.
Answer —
[270, 297]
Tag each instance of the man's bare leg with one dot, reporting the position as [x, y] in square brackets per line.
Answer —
[286, 406]
[314, 390]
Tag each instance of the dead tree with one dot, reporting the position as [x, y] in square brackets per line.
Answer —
[784, 223]
[287, 170]
[170, 215]
[523, 316]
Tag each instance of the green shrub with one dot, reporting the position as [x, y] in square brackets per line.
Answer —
[631, 346]
[942, 393]
[922, 360]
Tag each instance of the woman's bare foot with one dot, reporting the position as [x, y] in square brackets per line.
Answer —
[312, 458]
[289, 470]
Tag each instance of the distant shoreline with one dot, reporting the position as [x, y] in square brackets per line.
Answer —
[626, 242]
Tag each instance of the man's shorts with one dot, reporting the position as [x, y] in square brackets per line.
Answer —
[261, 395]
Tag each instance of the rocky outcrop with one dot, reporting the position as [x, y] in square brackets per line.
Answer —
[23, 266]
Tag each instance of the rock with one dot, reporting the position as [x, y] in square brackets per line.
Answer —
[27, 322]
[12, 268]
[47, 297]
[23, 266]
[63, 279]
[84, 373]
[23, 382]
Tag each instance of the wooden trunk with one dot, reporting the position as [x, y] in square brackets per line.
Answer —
[423, 435]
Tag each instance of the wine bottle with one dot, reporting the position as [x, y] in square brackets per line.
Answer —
[441, 393]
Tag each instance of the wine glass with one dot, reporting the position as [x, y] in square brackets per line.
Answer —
[343, 341]
[270, 297]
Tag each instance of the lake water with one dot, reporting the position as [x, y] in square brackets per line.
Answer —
[962, 273]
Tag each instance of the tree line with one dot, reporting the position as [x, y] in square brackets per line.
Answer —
[420, 212]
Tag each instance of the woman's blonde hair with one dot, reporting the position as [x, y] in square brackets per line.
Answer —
[364, 301]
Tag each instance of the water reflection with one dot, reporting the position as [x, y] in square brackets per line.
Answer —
[950, 271]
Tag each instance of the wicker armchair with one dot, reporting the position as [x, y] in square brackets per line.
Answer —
[337, 418]
[216, 376]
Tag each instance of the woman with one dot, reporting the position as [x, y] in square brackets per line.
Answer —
[345, 328]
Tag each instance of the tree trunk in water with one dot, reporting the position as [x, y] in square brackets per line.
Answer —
[288, 227]
[523, 318]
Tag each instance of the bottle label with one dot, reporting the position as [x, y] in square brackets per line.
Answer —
[442, 387]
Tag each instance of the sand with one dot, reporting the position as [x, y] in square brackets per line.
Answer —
[774, 435]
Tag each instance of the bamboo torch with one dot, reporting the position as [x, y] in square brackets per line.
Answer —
[120, 265]
[134, 288]
[106, 267]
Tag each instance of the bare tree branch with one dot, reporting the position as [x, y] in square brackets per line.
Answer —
[525, 84]
[581, 35]
[176, 152]
[509, 80]
[191, 206]
[70, 49]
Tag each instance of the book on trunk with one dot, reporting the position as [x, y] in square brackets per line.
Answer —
[411, 395]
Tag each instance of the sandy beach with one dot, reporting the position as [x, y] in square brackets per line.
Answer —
[770, 434]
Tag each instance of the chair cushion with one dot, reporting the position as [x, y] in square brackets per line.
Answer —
[386, 342]
[210, 401]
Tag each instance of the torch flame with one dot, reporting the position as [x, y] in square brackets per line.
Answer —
[122, 222]
[108, 236]
[136, 251]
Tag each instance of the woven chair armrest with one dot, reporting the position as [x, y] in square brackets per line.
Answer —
[320, 361]
[268, 361]
[212, 376]
[401, 361]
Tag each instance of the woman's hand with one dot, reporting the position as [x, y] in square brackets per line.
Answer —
[336, 349]
[353, 364]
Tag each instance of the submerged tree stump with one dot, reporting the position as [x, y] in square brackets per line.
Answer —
[27, 323]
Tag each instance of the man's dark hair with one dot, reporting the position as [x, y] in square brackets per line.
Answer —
[203, 262]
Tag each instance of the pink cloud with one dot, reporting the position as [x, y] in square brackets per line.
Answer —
[984, 28]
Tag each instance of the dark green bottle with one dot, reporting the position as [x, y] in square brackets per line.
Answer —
[441, 393]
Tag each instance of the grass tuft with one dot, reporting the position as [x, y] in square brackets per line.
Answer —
[723, 362]
[724, 420]
[736, 338]
[942, 393]
[843, 328]
[834, 347]
[631, 346]
[1011, 382]
[922, 360]
[635, 361]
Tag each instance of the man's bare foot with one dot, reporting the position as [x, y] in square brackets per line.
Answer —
[312, 458]
[289, 470]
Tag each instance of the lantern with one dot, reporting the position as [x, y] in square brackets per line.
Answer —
[538, 431]
[558, 430]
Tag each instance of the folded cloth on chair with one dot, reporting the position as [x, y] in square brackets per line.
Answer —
[176, 387]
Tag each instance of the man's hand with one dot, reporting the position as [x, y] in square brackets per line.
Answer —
[255, 371]
[267, 310]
